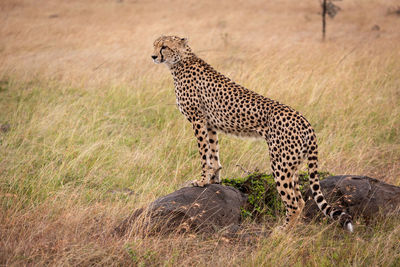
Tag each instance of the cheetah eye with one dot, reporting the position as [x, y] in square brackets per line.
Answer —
[163, 47]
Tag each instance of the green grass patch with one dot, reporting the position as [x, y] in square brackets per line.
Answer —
[264, 201]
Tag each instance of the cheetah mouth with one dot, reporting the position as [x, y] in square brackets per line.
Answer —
[157, 61]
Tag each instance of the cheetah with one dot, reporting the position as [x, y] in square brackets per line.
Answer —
[213, 103]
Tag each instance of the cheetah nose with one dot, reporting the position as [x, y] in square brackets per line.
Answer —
[153, 57]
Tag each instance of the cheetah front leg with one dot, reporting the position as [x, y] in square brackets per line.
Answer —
[214, 156]
[201, 133]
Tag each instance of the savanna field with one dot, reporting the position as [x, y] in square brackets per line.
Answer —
[90, 130]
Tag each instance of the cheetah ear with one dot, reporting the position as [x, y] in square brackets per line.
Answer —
[184, 41]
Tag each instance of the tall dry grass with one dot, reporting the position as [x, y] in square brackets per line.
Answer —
[94, 131]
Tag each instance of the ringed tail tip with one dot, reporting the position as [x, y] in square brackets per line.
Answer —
[349, 227]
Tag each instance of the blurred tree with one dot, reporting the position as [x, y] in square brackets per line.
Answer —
[328, 8]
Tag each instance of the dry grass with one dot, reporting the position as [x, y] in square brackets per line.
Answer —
[91, 115]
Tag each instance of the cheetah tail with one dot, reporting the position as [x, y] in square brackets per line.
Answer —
[336, 214]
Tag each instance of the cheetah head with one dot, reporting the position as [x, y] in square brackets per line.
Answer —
[170, 50]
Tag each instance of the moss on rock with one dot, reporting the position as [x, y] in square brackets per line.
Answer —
[264, 201]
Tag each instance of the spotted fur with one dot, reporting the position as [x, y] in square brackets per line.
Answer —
[213, 103]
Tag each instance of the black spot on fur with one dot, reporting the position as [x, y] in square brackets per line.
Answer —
[328, 210]
[336, 214]
[315, 187]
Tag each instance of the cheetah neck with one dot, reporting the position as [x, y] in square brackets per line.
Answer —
[188, 63]
[183, 63]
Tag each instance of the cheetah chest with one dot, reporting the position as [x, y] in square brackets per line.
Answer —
[187, 102]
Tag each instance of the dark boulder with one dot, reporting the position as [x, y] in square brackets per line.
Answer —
[190, 209]
[361, 196]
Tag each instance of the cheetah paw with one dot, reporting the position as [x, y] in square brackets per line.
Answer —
[197, 183]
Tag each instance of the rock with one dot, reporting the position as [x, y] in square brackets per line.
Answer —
[190, 209]
[214, 207]
[361, 196]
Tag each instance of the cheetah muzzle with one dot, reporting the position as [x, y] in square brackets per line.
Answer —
[213, 103]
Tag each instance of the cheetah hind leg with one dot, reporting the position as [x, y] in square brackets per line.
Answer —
[299, 199]
[292, 199]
